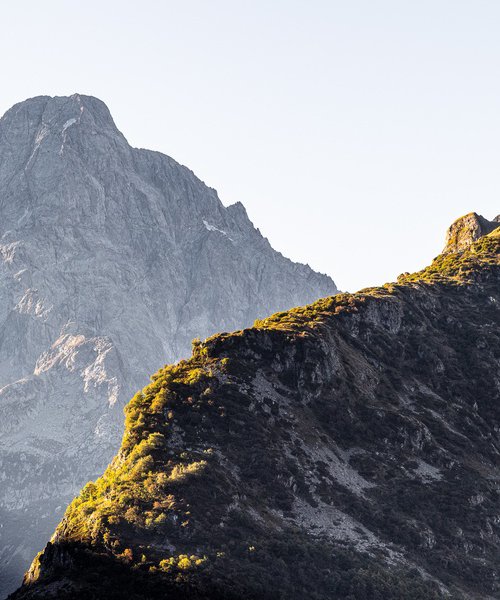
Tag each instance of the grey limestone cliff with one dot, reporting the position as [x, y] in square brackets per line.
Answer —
[112, 259]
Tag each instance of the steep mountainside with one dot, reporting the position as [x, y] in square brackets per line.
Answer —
[112, 260]
[345, 450]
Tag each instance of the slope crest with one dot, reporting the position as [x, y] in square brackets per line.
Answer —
[346, 449]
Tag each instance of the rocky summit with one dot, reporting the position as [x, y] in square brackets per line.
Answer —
[347, 450]
[466, 230]
[112, 259]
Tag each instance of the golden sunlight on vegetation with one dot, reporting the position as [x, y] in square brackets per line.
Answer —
[212, 467]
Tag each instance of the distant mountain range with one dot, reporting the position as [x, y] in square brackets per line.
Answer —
[348, 449]
[112, 259]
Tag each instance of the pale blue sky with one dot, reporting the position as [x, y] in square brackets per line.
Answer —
[353, 131]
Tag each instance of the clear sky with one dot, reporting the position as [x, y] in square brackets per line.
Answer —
[354, 131]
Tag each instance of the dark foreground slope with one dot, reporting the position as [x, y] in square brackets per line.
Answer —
[345, 450]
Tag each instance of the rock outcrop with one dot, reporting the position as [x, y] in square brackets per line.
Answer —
[344, 450]
[466, 230]
[112, 259]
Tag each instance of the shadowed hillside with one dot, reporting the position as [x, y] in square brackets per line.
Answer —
[348, 449]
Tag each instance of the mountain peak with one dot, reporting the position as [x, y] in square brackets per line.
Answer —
[42, 115]
[112, 259]
[466, 230]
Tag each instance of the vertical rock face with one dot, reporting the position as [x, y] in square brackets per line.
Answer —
[346, 450]
[466, 230]
[112, 259]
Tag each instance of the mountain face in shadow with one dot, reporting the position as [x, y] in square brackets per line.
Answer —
[112, 259]
[348, 449]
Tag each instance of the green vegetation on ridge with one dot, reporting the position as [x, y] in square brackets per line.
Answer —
[359, 410]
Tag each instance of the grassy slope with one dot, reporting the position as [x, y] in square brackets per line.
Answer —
[201, 499]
